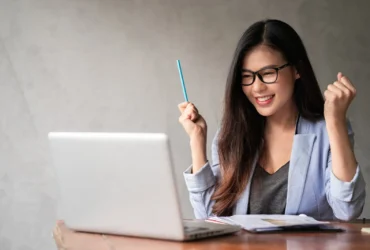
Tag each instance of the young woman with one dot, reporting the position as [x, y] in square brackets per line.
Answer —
[281, 147]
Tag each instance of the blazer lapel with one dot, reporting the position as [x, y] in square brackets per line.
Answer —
[298, 168]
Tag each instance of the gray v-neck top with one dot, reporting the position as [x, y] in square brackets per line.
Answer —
[268, 191]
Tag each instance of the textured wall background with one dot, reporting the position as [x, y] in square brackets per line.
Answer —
[94, 65]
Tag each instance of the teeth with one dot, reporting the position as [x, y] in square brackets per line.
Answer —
[265, 98]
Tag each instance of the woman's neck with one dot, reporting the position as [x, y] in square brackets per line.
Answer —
[283, 120]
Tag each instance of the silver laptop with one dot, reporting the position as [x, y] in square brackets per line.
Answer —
[123, 184]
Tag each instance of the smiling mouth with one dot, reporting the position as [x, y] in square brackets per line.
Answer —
[264, 99]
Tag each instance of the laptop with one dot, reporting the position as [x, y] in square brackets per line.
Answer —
[122, 184]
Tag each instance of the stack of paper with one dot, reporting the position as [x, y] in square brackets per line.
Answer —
[269, 223]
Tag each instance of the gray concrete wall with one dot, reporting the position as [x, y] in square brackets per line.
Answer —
[90, 65]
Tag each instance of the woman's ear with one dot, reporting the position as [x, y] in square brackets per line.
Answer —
[297, 75]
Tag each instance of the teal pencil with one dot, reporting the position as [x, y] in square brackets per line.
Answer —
[182, 81]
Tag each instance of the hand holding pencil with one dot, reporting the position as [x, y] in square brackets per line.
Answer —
[193, 123]
[191, 120]
[195, 126]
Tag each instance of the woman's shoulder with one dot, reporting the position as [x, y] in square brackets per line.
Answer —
[312, 126]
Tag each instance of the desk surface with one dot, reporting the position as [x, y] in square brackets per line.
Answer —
[353, 238]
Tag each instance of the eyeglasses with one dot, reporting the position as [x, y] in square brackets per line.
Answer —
[266, 75]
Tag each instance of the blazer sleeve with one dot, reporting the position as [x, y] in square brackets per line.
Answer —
[201, 185]
[347, 199]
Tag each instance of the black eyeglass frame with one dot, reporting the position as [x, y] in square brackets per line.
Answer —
[277, 69]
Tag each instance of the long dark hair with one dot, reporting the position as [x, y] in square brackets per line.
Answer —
[242, 128]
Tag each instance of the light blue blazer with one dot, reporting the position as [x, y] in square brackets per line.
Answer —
[312, 187]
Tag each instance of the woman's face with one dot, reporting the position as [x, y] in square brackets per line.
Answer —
[268, 99]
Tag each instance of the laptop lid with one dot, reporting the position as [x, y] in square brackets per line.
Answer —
[118, 183]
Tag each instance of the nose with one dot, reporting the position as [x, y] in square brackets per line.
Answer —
[258, 86]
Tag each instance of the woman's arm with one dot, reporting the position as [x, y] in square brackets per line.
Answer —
[345, 185]
[201, 184]
[338, 97]
[344, 163]
[346, 197]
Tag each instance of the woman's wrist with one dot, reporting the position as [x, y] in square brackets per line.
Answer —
[198, 152]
